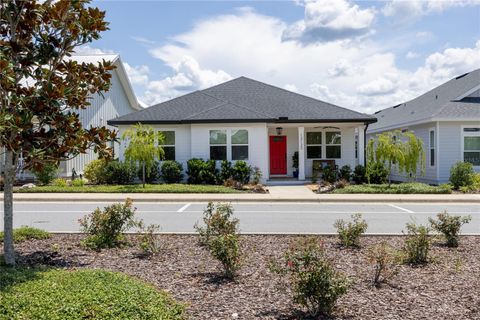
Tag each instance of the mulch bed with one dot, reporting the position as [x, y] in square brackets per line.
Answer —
[446, 288]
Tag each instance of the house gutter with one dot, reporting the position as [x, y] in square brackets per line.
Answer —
[365, 143]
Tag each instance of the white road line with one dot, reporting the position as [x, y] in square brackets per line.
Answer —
[184, 208]
[400, 208]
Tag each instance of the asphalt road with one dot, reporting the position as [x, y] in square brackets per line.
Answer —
[254, 217]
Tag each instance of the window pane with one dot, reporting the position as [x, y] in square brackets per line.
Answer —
[218, 153]
[314, 138]
[334, 152]
[314, 152]
[239, 152]
[169, 153]
[333, 137]
[472, 157]
[432, 139]
[218, 137]
[240, 137]
[471, 129]
[169, 138]
[472, 143]
[432, 157]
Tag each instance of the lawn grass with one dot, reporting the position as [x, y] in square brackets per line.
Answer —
[401, 188]
[135, 188]
[27, 233]
[27, 293]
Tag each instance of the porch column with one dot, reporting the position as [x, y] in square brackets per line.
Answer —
[361, 145]
[301, 153]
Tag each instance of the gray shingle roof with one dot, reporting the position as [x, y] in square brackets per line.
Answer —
[243, 100]
[438, 103]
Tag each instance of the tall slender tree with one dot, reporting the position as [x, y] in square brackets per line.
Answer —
[42, 89]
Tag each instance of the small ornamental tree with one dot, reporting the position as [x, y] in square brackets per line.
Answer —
[396, 149]
[142, 147]
[42, 89]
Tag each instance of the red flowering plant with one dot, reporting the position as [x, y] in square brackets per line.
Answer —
[315, 283]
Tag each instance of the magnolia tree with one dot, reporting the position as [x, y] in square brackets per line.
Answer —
[42, 89]
[401, 151]
[144, 147]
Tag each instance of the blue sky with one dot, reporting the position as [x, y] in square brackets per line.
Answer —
[365, 55]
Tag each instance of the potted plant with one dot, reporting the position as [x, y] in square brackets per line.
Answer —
[295, 164]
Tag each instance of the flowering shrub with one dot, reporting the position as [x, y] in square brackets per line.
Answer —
[417, 244]
[148, 239]
[105, 227]
[226, 249]
[315, 283]
[449, 226]
[349, 233]
[385, 261]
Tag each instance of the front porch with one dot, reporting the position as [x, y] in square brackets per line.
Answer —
[338, 143]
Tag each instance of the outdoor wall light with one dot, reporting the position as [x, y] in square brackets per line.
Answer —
[279, 131]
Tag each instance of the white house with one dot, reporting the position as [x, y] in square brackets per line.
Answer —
[446, 118]
[244, 119]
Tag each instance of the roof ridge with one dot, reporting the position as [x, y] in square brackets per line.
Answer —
[206, 110]
[240, 106]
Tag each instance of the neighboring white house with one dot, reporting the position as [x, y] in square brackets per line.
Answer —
[447, 119]
[118, 101]
[244, 119]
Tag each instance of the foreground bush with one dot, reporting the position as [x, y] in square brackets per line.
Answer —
[118, 172]
[172, 171]
[385, 261]
[349, 232]
[462, 175]
[27, 233]
[105, 227]
[417, 244]
[95, 171]
[315, 283]
[449, 226]
[226, 249]
[46, 174]
[84, 294]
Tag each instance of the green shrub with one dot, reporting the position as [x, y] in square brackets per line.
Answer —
[226, 249]
[150, 176]
[78, 182]
[417, 244]
[148, 239]
[172, 171]
[329, 174]
[256, 175]
[105, 227]
[118, 172]
[385, 261]
[209, 173]
[226, 170]
[95, 171]
[462, 175]
[195, 169]
[449, 226]
[241, 172]
[345, 173]
[359, 174]
[401, 188]
[29, 293]
[315, 283]
[26, 233]
[217, 221]
[376, 173]
[349, 232]
[47, 173]
[60, 182]
[474, 187]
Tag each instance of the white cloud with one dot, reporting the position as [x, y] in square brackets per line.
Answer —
[380, 86]
[138, 75]
[330, 20]
[412, 55]
[86, 50]
[290, 87]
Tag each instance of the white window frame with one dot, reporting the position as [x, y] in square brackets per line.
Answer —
[468, 134]
[229, 143]
[333, 144]
[434, 147]
[210, 145]
[229, 139]
[169, 145]
[322, 145]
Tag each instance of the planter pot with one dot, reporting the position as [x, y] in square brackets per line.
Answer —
[295, 174]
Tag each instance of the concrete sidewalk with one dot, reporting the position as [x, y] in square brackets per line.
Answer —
[283, 194]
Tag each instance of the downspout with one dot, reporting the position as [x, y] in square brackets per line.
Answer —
[365, 144]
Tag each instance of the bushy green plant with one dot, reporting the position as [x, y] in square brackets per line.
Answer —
[315, 283]
[120, 172]
[151, 175]
[359, 176]
[349, 232]
[27, 233]
[417, 244]
[329, 174]
[47, 173]
[78, 182]
[105, 227]
[194, 170]
[226, 170]
[149, 242]
[226, 249]
[209, 173]
[256, 175]
[59, 182]
[385, 261]
[95, 171]
[345, 173]
[449, 226]
[172, 171]
[241, 172]
[462, 175]
[474, 187]
[376, 173]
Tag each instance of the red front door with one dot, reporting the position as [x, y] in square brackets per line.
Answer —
[278, 155]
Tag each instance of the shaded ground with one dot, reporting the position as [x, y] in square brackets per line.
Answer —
[447, 288]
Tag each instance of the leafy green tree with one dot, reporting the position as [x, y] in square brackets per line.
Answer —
[142, 147]
[42, 89]
[398, 150]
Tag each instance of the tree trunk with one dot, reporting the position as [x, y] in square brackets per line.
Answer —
[143, 173]
[9, 177]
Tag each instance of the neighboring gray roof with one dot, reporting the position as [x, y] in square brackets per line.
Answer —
[243, 100]
[438, 103]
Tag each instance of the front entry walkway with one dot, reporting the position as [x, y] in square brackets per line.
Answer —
[290, 191]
